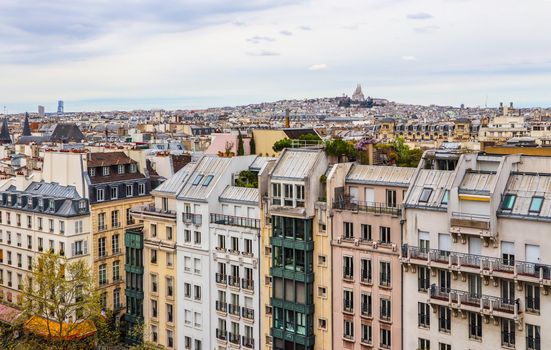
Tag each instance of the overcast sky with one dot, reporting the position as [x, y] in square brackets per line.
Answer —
[127, 54]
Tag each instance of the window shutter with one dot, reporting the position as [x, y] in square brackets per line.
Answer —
[73, 252]
[85, 247]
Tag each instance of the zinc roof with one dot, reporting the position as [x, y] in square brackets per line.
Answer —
[526, 186]
[478, 182]
[240, 194]
[437, 180]
[207, 165]
[295, 163]
[373, 175]
[176, 181]
[259, 162]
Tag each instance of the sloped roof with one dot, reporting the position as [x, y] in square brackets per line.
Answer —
[108, 159]
[235, 194]
[295, 163]
[26, 126]
[66, 133]
[437, 180]
[295, 133]
[525, 187]
[207, 166]
[174, 184]
[373, 175]
[5, 132]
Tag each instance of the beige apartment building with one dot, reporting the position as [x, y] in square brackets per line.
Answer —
[366, 228]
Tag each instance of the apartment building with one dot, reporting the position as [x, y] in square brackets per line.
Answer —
[475, 276]
[235, 268]
[115, 185]
[366, 228]
[160, 295]
[195, 282]
[296, 253]
[36, 217]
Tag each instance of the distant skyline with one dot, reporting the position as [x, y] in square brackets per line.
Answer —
[191, 54]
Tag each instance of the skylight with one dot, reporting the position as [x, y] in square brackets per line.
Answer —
[445, 197]
[535, 204]
[508, 201]
[197, 180]
[425, 195]
[208, 179]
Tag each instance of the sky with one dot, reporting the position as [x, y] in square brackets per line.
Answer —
[191, 54]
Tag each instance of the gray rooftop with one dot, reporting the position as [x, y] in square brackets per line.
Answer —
[437, 180]
[206, 166]
[234, 194]
[175, 183]
[374, 175]
[296, 163]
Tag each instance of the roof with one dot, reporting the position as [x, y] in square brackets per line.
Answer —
[373, 175]
[8, 314]
[52, 190]
[437, 180]
[259, 163]
[294, 133]
[237, 194]
[26, 126]
[176, 181]
[5, 132]
[525, 186]
[66, 133]
[70, 331]
[206, 166]
[295, 163]
[179, 161]
[108, 158]
[477, 182]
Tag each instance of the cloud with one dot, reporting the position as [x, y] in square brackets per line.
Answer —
[320, 66]
[285, 32]
[351, 27]
[419, 16]
[263, 53]
[305, 28]
[260, 39]
[426, 29]
[409, 58]
[239, 24]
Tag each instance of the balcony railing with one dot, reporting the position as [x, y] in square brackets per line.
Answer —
[150, 209]
[247, 313]
[235, 338]
[234, 309]
[221, 306]
[233, 281]
[366, 310]
[477, 300]
[230, 220]
[247, 284]
[220, 278]
[369, 207]
[515, 267]
[247, 342]
[190, 218]
[221, 334]
[533, 343]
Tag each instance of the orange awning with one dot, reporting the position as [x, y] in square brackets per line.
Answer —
[39, 326]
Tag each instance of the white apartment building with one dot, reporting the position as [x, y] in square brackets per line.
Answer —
[235, 269]
[476, 275]
[36, 217]
[199, 198]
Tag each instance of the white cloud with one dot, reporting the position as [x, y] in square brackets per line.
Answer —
[409, 58]
[320, 66]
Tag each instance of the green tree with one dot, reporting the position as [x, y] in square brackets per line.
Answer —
[252, 144]
[240, 148]
[340, 148]
[309, 137]
[247, 178]
[282, 144]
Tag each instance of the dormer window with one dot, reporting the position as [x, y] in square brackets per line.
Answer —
[9, 199]
[121, 169]
[52, 205]
[41, 203]
[132, 168]
[19, 201]
[92, 171]
[535, 205]
[425, 195]
[445, 197]
[105, 171]
[82, 204]
[29, 202]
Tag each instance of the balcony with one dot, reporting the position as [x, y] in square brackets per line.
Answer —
[190, 218]
[247, 342]
[247, 284]
[102, 227]
[221, 334]
[238, 221]
[479, 264]
[464, 300]
[234, 309]
[234, 338]
[471, 224]
[221, 278]
[247, 313]
[151, 210]
[221, 306]
[233, 281]
[367, 207]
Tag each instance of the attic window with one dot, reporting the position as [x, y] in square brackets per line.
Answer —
[132, 168]
[445, 197]
[105, 171]
[197, 180]
[425, 195]
[535, 204]
[121, 169]
[41, 203]
[508, 201]
[52, 204]
[92, 171]
[37, 187]
[82, 204]
[208, 179]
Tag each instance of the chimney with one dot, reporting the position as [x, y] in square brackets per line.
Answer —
[287, 122]
[20, 181]
[511, 104]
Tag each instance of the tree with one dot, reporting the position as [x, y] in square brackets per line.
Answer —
[63, 294]
[400, 154]
[339, 148]
[247, 178]
[240, 148]
[252, 144]
[282, 144]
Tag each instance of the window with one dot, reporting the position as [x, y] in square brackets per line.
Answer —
[62, 227]
[366, 232]
[92, 171]
[100, 194]
[105, 170]
[197, 237]
[425, 195]
[116, 299]
[116, 271]
[169, 313]
[248, 246]
[508, 201]
[51, 225]
[221, 242]
[348, 300]
[445, 197]
[366, 270]
[384, 278]
[423, 344]
[141, 189]
[385, 309]
[153, 256]
[198, 345]
[508, 333]
[535, 204]
[169, 286]
[165, 203]
[102, 274]
[169, 259]
[276, 194]
[322, 323]
[348, 230]
[154, 283]
[197, 180]
[101, 247]
[475, 325]
[115, 244]
[153, 230]
[348, 267]
[187, 290]
[187, 236]
[442, 346]
[423, 311]
[197, 293]
[115, 218]
[391, 198]
[154, 308]
[133, 168]
[129, 189]
[423, 279]
[366, 334]
[120, 169]
[384, 233]
[114, 192]
[532, 301]
[208, 179]
[348, 329]
[101, 221]
[385, 338]
[235, 244]
[169, 337]
[322, 292]
[533, 339]
[168, 232]
[444, 319]
[300, 195]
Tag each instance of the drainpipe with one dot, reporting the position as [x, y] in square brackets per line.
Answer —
[401, 284]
